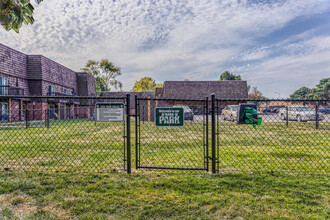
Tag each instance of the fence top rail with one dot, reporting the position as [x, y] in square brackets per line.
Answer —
[278, 100]
[167, 99]
[58, 97]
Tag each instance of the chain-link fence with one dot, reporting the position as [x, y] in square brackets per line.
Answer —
[60, 134]
[294, 136]
[66, 134]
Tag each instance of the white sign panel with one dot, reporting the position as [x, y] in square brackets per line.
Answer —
[109, 112]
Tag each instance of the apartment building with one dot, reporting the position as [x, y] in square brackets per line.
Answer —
[24, 76]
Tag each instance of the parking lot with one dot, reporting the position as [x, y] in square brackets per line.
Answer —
[265, 118]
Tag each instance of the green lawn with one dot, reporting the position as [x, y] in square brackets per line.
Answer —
[157, 195]
[82, 145]
[269, 173]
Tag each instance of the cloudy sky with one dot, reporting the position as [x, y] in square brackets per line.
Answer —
[276, 45]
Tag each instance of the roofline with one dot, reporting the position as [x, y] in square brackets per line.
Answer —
[40, 55]
[211, 81]
[13, 49]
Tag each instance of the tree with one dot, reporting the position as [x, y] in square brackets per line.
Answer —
[256, 94]
[14, 12]
[159, 85]
[300, 93]
[320, 92]
[144, 84]
[105, 74]
[229, 76]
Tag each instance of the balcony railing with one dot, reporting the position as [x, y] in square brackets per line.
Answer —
[70, 98]
[11, 90]
[57, 94]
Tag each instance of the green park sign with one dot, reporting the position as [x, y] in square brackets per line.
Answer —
[169, 117]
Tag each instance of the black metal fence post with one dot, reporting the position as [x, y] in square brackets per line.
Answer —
[213, 133]
[207, 133]
[26, 118]
[317, 116]
[143, 119]
[128, 131]
[136, 131]
[47, 117]
[287, 116]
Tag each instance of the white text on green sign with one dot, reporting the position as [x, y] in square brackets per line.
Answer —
[169, 117]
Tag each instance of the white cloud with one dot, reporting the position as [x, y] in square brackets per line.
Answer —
[169, 40]
[300, 64]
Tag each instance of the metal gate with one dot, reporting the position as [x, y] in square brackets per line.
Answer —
[174, 148]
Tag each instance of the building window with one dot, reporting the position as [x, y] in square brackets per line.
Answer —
[51, 91]
[3, 86]
[66, 92]
[4, 116]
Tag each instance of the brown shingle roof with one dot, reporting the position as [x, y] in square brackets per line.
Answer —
[142, 94]
[230, 89]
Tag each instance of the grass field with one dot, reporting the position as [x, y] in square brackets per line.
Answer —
[269, 173]
[82, 145]
[154, 195]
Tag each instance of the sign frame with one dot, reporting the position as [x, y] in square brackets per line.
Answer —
[180, 111]
[122, 108]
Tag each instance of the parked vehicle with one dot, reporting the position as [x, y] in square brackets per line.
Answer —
[299, 113]
[325, 110]
[230, 113]
[187, 112]
[197, 110]
[272, 109]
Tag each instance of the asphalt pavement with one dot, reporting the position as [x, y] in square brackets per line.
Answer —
[265, 118]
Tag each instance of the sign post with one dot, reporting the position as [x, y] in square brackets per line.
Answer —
[169, 117]
[109, 112]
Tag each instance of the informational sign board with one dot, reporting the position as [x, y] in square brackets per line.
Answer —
[169, 117]
[109, 112]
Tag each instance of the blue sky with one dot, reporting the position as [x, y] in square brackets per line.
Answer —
[276, 45]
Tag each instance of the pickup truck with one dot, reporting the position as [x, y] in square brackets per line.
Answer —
[299, 113]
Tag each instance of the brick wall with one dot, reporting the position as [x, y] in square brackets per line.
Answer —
[14, 111]
[38, 111]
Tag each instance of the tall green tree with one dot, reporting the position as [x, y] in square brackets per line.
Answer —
[319, 92]
[13, 13]
[105, 74]
[144, 84]
[229, 76]
[300, 93]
